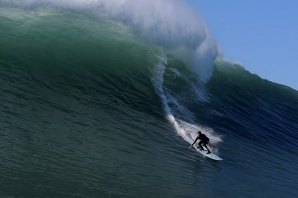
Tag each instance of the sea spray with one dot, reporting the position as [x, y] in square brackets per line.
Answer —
[156, 22]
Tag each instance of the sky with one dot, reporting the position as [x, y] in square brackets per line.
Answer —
[260, 35]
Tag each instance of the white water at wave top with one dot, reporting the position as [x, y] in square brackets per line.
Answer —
[172, 24]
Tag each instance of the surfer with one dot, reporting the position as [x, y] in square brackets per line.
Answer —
[204, 141]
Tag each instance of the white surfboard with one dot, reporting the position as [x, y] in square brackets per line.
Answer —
[210, 155]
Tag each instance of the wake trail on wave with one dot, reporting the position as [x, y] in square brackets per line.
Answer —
[184, 129]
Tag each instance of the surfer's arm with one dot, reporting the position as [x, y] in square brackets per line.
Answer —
[194, 142]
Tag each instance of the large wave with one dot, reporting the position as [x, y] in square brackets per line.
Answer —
[88, 96]
[169, 25]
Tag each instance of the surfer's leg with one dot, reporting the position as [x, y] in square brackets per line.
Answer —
[207, 148]
[200, 145]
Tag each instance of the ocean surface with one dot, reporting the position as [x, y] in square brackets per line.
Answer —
[91, 106]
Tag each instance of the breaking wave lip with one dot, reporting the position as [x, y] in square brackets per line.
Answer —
[157, 22]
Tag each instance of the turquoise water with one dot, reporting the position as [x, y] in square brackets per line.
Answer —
[88, 109]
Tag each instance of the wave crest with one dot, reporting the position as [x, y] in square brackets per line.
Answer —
[171, 24]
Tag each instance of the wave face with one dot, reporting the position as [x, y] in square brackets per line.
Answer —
[105, 104]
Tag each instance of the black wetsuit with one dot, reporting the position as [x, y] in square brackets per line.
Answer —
[204, 140]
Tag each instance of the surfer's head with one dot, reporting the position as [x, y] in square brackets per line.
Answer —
[199, 132]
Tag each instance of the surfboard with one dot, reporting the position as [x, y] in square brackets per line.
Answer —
[210, 155]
